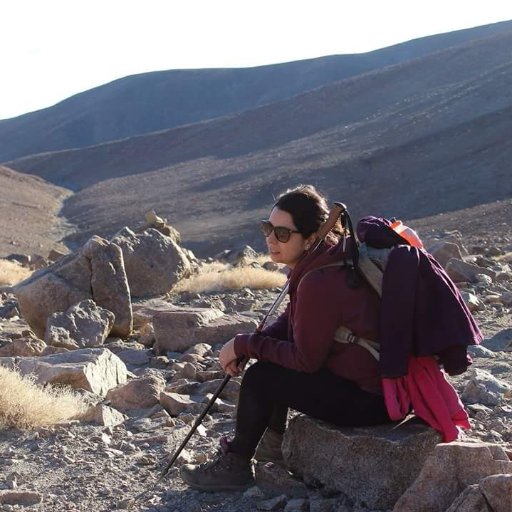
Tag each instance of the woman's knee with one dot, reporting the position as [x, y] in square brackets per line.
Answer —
[258, 375]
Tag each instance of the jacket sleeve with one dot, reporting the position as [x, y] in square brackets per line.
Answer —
[316, 316]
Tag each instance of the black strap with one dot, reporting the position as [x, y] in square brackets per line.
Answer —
[352, 265]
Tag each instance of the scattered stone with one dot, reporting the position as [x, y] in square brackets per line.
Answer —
[102, 414]
[444, 250]
[176, 404]
[237, 257]
[462, 271]
[502, 340]
[137, 393]
[472, 301]
[23, 347]
[92, 369]
[484, 388]
[20, 498]
[82, 325]
[159, 223]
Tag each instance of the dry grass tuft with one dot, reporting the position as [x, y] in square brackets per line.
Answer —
[217, 277]
[12, 273]
[26, 405]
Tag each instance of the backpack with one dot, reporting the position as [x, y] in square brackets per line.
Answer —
[437, 322]
[370, 262]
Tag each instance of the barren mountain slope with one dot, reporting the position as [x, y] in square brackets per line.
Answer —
[413, 140]
[425, 96]
[160, 100]
[28, 214]
[215, 203]
[483, 225]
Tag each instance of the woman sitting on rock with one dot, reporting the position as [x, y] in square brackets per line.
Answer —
[299, 364]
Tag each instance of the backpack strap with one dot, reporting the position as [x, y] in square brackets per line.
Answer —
[373, 274]
[336, 264]
[371, 271]
[345, 335]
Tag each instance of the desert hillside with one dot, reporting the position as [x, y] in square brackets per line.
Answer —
[148, 102]
[29, 208]
[419, 138]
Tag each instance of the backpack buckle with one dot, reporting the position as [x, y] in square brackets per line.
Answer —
[352, 338]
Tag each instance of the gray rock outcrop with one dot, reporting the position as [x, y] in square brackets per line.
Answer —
[448, 471]
[96, 271]
[373, 466]
[154, 262]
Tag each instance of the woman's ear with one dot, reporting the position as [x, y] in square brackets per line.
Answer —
[310, 240]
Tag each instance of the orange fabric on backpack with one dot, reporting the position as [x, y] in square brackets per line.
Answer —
[407, 233]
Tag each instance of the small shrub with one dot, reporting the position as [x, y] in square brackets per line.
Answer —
[216, 277]
[12, 273]
[25, 405]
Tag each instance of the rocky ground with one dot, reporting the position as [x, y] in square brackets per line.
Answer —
[86, 466]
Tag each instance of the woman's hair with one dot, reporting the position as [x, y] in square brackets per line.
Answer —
[309, 211]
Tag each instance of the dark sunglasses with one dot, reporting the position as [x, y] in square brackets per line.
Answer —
[282, 234]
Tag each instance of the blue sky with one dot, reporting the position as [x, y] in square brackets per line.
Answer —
[52, 49]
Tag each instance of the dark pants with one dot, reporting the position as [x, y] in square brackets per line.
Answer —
[268, 390]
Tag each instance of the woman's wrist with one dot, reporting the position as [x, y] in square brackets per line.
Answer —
[240, 344]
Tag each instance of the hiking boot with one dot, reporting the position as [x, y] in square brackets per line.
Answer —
[228, 471]
[269, 448]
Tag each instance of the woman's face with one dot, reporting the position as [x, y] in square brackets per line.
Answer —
[291, 251]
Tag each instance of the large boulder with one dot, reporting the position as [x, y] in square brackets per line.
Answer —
[372, 466]
[182, 328]
[93, 369]
[154, 262]
[449, 470]
[96, 271]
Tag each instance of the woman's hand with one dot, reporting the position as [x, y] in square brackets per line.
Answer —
[228, 359]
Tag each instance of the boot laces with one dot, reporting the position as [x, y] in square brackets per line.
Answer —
[222, 460]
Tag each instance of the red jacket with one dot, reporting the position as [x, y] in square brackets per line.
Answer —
[302, 338]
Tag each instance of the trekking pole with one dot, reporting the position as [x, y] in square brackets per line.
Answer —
[323, 231]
